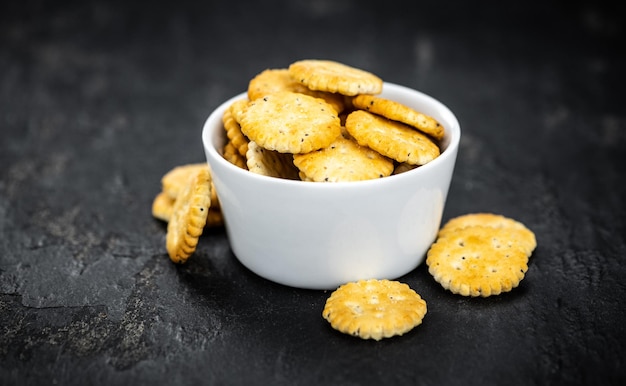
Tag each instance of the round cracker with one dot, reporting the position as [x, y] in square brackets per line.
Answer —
[403, 168]
[290, 122]
[175, 180]
[374, 309]
[526, 237]
[232, 155]
[270, 163]
[335, 77]
[343, 160]
[478, 261]
[278, 79]
[162, 206]
[189, 216]
[399, 112]
[392, 139]
[233, 131]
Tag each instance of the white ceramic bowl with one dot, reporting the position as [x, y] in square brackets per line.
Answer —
[320, 235]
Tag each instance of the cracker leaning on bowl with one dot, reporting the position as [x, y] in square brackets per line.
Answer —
[188, 204]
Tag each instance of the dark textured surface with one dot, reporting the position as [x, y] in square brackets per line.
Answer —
[98, 99]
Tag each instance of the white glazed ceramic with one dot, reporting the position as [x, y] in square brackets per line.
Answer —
[320, 235]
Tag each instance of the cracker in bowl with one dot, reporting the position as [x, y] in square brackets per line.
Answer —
[290, 122]
[399, 112]
[343, 160]
[392, 139]
[335, 77]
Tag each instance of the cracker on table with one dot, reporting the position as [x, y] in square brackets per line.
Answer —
[189, 217]
[233, 129]
[162, 206]
[270, 163]
[175, 180]
[335, 77]
[290, 122]
[478, 260]
[278, 79]
[526, 237]
[399, 112]
[343, 160]
[374, 309]
[390, 138]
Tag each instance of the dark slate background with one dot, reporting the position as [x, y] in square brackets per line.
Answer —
[98, 99]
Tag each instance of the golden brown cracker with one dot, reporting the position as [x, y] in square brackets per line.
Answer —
[403, 167]
[162, 206]
[526, 237]
[399, 112]
[189, 216]
[374, 309]
[270, 163]
[232, 155]
[290, 122]
[278, 79]
[233, 131]
[238, 108]
[392, 139]
[175, 180]
[272, 80]
[335, 77]
[478, 261]
[343, 160]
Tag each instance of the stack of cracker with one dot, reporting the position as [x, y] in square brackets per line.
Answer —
[481, 254]
[322, 121]
[188, 203]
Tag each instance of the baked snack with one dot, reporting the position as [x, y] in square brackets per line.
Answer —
[270, 163]
[175, 180]
[232, 155]
[290, 122]
[525, 237]
[335, 77]
[162, 206]
[278, 79]
[392, 139]
[233, 129]
[480, 254]
[374, 309]
[399, 112]
[189, 216]
[343, 160]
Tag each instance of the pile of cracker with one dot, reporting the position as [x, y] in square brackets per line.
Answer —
[323, 121]
[317, 120]
[188, 203]
[474, 255]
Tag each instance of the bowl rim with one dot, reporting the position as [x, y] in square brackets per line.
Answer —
[452, 144]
